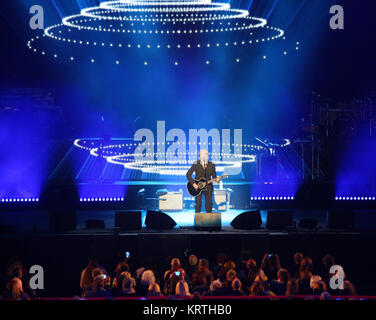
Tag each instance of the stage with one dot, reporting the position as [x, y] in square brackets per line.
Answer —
[106, 105]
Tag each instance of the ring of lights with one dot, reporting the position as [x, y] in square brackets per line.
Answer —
[123, 153]
[155, 24]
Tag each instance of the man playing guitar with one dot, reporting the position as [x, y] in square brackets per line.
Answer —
[203, 169]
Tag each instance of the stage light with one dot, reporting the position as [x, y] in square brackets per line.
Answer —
[270, 198]
[166, 13]
[20, 200]
[123, 154]
[102, 199]
[354, 198]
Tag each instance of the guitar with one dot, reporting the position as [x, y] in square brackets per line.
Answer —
[202, 184]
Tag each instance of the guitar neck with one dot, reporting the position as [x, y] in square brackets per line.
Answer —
[212, 180]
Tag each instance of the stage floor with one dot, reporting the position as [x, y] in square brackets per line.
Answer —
[185, 219]
[37, 221]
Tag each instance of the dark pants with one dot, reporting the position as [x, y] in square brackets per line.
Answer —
[208, 200]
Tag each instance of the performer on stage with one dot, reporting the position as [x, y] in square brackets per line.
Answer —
[203, 169]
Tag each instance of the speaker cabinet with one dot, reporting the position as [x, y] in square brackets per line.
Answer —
[128, 220]
[208, 221]
[247, 220]
[278, 220]
[159, 220]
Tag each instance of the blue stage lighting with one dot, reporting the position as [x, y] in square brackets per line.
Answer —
[355, 198]
[129, 24]
[270, 198]
[19, 200]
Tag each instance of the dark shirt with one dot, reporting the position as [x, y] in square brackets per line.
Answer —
[98, 293]
[125, 293]
[237, 293]
[278, 288]
[305, 286]
[198, 169]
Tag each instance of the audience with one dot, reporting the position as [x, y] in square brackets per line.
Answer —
[147, 279]
[128, 285]
[215, 288]
[98, 287]
[193, 265]
[279, 287]
[226, 278]
[182, 289]
[154, 290]
[298, 257]
[237, 288]
[271, 265]
[14, 288]
[221, 260]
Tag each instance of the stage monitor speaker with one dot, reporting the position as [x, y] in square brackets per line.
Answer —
[307, 223]
[208, 221]
[340, 219]
[247, 220]
[128, 220]
[62, 220]
[278, 220]
[159, 220]
[94, 224]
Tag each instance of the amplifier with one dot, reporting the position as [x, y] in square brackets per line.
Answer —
[172, 201]
[220, 199]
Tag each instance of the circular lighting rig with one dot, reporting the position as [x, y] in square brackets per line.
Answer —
[123, 152]
[145, 32]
